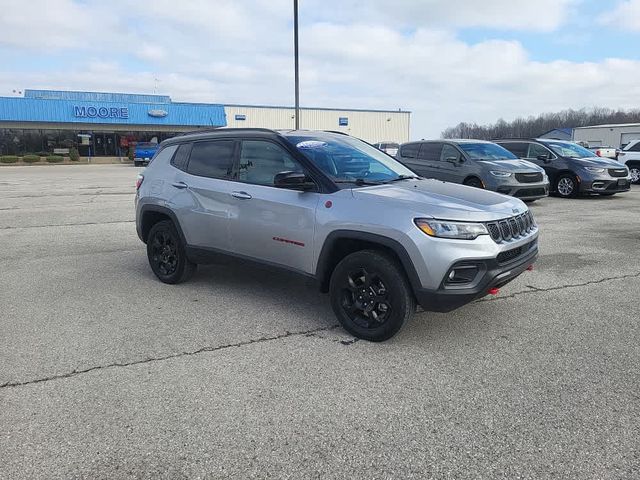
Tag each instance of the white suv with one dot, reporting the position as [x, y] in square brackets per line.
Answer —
[630, 156]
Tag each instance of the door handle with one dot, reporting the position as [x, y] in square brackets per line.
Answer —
[180, 185]
[243, 195]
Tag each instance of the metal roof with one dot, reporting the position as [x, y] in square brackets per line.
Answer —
[611, 125]
[236, 105]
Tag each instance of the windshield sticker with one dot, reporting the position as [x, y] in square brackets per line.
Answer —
[312, 144]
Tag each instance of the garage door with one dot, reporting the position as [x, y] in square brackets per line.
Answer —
[627, 137]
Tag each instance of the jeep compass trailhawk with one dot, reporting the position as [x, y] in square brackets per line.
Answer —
[375, 235]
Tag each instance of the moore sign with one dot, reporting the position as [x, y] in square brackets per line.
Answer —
[100, 112]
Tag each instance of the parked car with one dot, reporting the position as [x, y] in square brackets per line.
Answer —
[390, 148]
[606, 152]
[630, 156]
[476, 163]
[144, 152]
[371, 232]
[572, 169]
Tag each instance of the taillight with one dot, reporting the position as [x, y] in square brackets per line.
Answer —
[139, 181]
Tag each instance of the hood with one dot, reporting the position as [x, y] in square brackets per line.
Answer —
[443, 200]
[515, 165]
[596, 162]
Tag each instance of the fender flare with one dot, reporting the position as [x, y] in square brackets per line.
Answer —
[150, 208]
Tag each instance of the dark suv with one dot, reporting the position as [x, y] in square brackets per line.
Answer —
[572, 169]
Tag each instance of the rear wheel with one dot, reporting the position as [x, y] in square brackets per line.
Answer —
[370, 295]
[567, 186]
[474, 182]
[167, 255]
[634, 172]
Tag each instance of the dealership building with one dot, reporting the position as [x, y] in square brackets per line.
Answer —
[614, 135]
[109, 124]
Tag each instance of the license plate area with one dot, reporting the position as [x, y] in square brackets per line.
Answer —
[622, 183]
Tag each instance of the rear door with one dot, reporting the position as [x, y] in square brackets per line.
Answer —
[271, 224]
[203, 199]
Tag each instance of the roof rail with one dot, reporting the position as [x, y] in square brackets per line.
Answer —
[218, 129]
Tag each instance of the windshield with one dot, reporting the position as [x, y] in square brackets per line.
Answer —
[571, 150]
[486, 151]
[347, 159]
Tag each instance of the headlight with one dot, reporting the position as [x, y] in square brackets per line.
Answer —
[446, 229]
[497, 173]
[594, 169]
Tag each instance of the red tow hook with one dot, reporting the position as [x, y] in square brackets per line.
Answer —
[530, 268]
[494, 291]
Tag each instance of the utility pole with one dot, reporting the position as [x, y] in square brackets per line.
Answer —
[295, 54]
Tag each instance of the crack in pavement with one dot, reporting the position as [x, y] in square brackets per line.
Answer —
[561, 287]
[286, 334]
[68, 224]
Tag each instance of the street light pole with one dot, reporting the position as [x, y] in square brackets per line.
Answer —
[295, 54]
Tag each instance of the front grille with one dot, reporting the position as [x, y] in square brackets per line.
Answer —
[618, 172]
[510, 255]
[529, 177]
[530, 192]
[511, 228]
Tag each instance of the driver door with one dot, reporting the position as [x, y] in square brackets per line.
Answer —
[272, 224]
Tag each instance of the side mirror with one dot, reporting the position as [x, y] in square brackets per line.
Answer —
[544, 158]
[454, 160]
[294, 181]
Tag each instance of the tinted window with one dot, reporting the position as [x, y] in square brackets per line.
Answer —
[211, 159]
[519, 149]
[635, 147]
[430, 152]
[449, 152]
[535, 150]
[260, 161]
[181, 157]
[164, 155]
[410, 150]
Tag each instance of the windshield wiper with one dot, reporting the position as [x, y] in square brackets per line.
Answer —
[404, 177]
[358, 181]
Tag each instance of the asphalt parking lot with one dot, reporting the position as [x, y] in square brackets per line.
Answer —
[107, 373]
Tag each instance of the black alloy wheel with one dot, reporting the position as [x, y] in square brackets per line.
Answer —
[166, 254]
[370, 295]
[474, 182]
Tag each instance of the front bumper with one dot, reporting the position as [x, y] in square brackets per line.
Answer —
[605, 185]
[492, 274]
[523, 191]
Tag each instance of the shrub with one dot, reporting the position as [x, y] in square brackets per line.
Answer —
[9, 159]
[132, 153]
[74, 155]
[31, 158]
[55, 159]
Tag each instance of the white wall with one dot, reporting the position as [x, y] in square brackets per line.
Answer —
[372, 126]
[607, 135]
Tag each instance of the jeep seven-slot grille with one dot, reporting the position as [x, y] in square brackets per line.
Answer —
[529, 177]
[618, 172]
[511, 228]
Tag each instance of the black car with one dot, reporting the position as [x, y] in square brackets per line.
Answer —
[572, 169]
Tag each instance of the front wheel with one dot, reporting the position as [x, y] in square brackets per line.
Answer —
[166, 254]
[371, 296]
[634, 173]
[474, 182]
[567, 186]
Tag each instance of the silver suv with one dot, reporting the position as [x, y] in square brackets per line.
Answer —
[476, 163]
[375, 235]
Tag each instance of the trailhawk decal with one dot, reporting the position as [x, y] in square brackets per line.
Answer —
[286, 240]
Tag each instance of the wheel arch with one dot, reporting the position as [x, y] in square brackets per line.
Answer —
[565, 171]
[152, 214]
[341, 243]
[474, 176]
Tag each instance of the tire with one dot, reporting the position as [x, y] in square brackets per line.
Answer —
[167, 255]
[388, 301]
[566, 186]
[474, 182]
[634, 171]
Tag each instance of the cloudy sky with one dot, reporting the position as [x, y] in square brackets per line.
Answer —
[446, 61]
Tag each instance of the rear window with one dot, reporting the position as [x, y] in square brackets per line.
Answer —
[410, 150]
[211, 159]
[181, 157]
[430, 151]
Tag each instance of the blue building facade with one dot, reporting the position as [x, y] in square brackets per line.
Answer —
[96, 123]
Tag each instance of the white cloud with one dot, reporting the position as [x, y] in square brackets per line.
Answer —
[626, 15]
[241, 52]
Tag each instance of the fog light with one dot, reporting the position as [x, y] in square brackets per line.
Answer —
[462, 274]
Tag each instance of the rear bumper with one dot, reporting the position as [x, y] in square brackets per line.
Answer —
[492, 275]
[605, 186]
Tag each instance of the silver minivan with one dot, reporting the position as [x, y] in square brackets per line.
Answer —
[476, 163]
